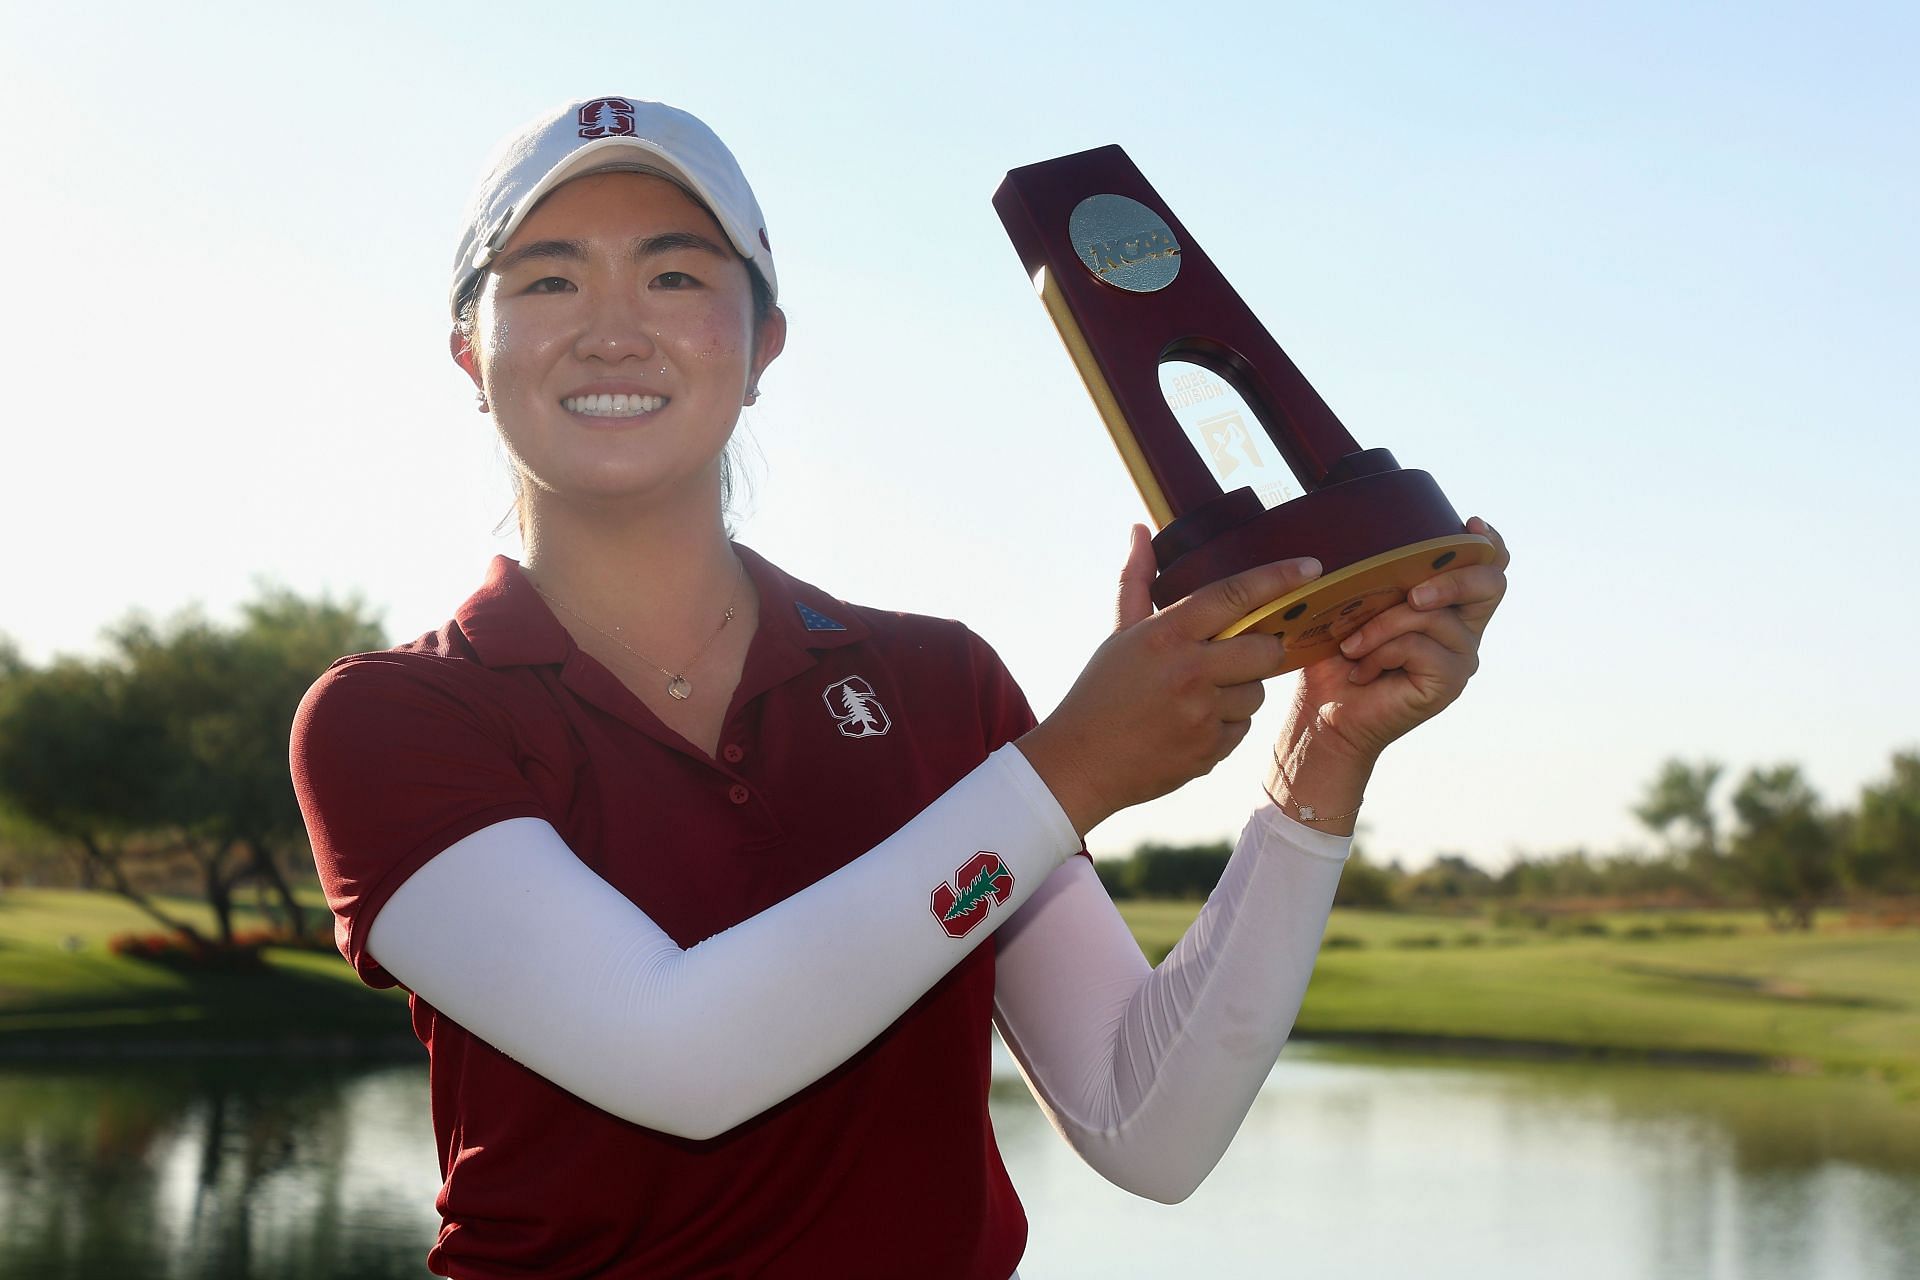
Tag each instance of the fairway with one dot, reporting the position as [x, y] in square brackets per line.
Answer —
[62, 989]
[1702, 985]
[1716, 988]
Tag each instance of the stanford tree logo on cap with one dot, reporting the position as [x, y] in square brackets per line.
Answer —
[607, 118]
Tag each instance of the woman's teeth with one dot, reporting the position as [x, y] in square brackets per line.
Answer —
[612, 406]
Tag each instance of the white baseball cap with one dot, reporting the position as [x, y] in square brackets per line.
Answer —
[594, 135]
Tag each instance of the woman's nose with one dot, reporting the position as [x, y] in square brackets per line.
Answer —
[615, 329]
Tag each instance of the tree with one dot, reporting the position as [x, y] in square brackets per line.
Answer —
[75, 761]
[1179, 871]
[1364, 883]
[1165, 870]
[1682, 796]
[1785, 848]
[1113, 877]
[1449, 877]
[1883, 849]
[25, 845]
[1573, 874]
[176, 743]
[224, 702]
[31, 854]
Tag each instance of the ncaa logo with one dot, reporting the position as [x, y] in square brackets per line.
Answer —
[853, 703]
[607, 118]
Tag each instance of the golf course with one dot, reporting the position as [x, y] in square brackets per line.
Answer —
[1697, 988]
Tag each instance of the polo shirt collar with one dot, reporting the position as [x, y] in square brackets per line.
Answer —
[799, 613]
[508, 624]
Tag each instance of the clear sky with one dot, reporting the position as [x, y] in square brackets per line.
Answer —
[1635, 281]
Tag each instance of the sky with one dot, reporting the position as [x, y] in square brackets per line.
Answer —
[1635, 282]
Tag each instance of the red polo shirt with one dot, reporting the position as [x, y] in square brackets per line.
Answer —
[887, 1166]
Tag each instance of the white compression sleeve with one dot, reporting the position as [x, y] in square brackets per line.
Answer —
[513, 937]
[1149, 1072]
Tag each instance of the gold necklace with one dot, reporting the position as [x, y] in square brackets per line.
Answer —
[679, 688]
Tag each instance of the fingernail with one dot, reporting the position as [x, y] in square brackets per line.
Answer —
[1310, 567]
[1422, 595]
[1351, 645]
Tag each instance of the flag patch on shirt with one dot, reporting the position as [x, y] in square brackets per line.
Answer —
[816, 621]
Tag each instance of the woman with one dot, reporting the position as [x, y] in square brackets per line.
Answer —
[687, 864]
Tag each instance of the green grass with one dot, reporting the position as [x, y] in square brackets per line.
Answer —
[50, 916]
[62, 989]
[1837, 1000]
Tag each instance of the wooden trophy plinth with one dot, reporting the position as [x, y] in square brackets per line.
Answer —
[1129, 290]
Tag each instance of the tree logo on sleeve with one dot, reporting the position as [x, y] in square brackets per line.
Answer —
[855, 705]
[607, 118]
[981, 881]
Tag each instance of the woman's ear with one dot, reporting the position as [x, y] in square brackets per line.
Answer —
[460, 347]
[768, 343]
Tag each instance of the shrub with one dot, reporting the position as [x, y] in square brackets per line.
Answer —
[1515, 918]
[178, 951]
[1342, 942]
[1420, 941]
[1581, 928]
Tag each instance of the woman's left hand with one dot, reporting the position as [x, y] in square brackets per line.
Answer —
[1408, 663]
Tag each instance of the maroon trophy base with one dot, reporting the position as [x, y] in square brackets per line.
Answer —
[1368, 566]
[1340, 525]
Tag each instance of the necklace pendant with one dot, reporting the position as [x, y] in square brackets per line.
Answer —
[679, 689]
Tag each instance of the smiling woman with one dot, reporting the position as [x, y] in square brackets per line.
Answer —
[639, 323]
[707, 885]
[610, 403]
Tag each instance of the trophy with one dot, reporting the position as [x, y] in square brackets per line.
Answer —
[1160, 336]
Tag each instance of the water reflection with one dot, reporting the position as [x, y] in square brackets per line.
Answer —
[1351, 1167]
[1346, 1167]
[264, 1169]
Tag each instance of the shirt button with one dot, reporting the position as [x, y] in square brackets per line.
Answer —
[737, 793]
[733, 754]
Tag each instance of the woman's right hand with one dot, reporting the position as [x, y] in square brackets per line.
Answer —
[1160, 702]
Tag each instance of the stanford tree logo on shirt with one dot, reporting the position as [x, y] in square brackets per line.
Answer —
[854, 704]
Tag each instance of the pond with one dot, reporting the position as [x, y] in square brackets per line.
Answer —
[1348, 1166]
